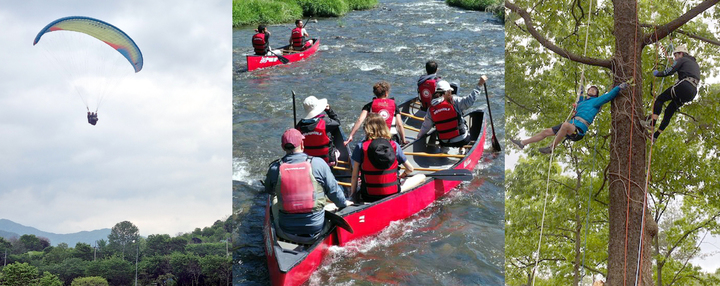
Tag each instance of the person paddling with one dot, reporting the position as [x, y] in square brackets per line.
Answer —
[427, 84]
[318, 129]
[575, 128]
[682, 92]
[299, 37]
[261, 41]
[446, 114]
[376, 161]
[386, 107]
[299, 184]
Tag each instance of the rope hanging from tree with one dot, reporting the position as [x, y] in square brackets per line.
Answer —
[552, 152]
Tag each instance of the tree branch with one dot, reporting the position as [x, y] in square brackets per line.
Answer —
[546, 43]
[686, 33]
[664, 30]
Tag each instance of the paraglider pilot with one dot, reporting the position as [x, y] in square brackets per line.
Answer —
[92, 118]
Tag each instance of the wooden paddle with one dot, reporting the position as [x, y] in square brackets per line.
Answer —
[294, 113]
[282, 59]
[339, 221]
[411, 116]
[421, 154]
[447, 175]
[495, 143]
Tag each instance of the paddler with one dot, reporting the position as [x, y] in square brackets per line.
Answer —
[377, 160]
[300, 184]
[261, 40]
[575, 128]
[446, 114]
[386, 107]
[318, 129]
[299, 37]
[427, 84]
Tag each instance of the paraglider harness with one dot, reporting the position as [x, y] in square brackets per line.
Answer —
[92, 117]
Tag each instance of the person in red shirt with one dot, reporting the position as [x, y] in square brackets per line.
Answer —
[261, 40]
[386, 107]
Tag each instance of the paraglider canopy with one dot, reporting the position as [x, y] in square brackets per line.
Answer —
[103, 31]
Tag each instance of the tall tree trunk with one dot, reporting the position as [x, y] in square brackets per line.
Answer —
[627, 156]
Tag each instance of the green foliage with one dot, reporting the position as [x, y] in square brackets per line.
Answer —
[83, 251]
[57, 254]
[324, 8]
[216, 269]
[31, 242]
[540, 87]
[18, 274]
[49, 279]
[121, 235]
[68, 269]
[153, 269]
[186, 267]
[116, 270]
[247, 12]
[89, 281]
[494, 6]
[203, 249]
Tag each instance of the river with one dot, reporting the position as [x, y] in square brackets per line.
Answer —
[459, 239]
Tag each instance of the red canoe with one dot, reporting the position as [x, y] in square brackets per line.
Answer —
[257, 62]
[292, 264]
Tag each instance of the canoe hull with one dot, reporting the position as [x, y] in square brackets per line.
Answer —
[369, 219]
[258, 62]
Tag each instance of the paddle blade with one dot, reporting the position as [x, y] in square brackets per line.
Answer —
[283, 60]
[339, 221]
[496, 144]
[452, 175]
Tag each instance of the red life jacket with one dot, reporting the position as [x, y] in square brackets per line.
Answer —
[297, 37]
[426, 90]
[386, 108]
[447, 120]
[317, 143]
[260, 44]
[375, 181]
[297, 191]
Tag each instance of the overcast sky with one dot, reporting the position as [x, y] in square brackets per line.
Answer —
[160, 155]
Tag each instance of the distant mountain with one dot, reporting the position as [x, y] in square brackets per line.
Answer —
[10, 229]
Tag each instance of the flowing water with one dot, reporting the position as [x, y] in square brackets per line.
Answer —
[457, 240]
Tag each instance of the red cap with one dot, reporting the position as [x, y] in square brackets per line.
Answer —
[293, 137]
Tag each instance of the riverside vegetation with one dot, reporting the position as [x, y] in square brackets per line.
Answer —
[246, 12]
[200, 257]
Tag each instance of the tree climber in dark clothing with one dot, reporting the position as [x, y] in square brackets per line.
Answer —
[683, 91]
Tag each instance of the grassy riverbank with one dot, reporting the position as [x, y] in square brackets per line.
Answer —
[494, 6]
[247, 12]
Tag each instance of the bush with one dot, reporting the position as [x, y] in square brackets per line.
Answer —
[494, 6]
[265, 11]
[89, 281]
[324, 8]
[362, 4]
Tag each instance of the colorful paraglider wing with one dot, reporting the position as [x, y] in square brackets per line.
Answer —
[100, 30]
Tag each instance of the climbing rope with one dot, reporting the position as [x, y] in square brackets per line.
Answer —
[552, 149]
[641, 251]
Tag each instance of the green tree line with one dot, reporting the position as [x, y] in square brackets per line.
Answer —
[199, 257]
[246, 12]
